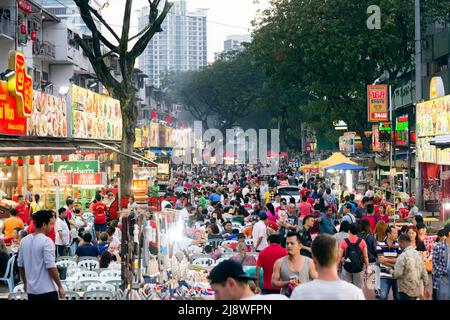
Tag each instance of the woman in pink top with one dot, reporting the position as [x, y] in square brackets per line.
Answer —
[305, 207]
[382, 215]
[271, 215]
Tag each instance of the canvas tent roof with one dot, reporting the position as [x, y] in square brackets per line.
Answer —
[336, 158]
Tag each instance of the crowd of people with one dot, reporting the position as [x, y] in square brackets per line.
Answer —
[331, 244]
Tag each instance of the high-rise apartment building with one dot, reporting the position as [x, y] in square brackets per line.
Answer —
[181, 46]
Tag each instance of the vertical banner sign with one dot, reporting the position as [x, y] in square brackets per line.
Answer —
[377, 103]
[20, 85]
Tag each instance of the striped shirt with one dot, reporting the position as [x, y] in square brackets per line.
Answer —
[387, 251]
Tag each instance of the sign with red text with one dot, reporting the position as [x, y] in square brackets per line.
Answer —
[24, 6]
[56, 179]
[10, 122]
[87, 179]
[377, 103]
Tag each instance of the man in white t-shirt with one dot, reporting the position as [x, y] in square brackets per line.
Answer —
[230, 282]
[166, 203]
[184, 213]
[370, 193]
[62, 237]
[259, 233]
[327, 286]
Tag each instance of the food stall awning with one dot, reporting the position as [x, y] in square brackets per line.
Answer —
[132, 156]
[33, 147]
[336, 158]
[345, 166]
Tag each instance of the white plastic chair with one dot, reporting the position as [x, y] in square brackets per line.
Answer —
[66, 263]
[87, 274]
[204, 262]
[17, 296]
[88, 264]
[68, 285]
[19, 288]
[111, 273]
[236, 225]
[249, 242]
[115, 283]
[65, 258]
[9, 273]
[99, 295]
[71, 295]
[101, 286]
[82, 285]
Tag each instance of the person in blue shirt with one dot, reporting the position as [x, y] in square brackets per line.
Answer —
[87, 249]
[214, 197]
[326, 222]
[103, 244]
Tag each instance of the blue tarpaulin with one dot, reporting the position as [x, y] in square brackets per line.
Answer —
[345, 166]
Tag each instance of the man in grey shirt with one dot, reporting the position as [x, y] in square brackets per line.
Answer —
[36, 261]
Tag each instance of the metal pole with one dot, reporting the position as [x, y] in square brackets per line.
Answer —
[418, 58]
[392, 140]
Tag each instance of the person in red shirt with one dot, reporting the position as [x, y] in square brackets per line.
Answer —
[22, 209]
[370, 217]
[266, 260]
[51, 234]
[99, 210]
[304, 190]
[305, 207]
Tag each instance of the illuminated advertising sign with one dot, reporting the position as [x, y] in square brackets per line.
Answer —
[377, 103]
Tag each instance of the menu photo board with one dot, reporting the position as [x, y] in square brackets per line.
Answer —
[425, 151]
[56, 179]
[49, 117]
[443, 156]
[87, 179]
[433, 117]
[95, 116]
[154, 135]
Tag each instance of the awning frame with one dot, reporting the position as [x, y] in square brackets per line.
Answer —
[143, 160]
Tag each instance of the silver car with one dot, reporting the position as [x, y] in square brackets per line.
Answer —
[286, 192]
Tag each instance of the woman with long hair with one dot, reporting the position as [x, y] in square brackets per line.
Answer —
[271, 215]
[380, 230]
[419, 245]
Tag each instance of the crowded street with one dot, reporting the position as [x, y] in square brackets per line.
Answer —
[148, 159]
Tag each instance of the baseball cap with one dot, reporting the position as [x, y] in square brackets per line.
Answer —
[228, 269]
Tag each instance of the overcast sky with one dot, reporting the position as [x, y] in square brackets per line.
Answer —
[225, 17]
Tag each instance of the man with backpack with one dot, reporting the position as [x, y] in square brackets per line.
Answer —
[354, 258]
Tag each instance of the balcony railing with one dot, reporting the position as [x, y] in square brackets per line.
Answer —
[6, 27]
[44, 48]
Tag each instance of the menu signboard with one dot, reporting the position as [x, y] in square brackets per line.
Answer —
[56, 179]
[425, 151]
[10, 122]
[377, 103]
[49, 118]
[95, 116]
[433, 117]
[87, 179]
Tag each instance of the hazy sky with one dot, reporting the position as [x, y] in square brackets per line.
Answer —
[225, 17]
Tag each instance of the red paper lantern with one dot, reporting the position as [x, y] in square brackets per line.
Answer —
[153, 114]
[8, 161]
[23, 29]
[42, 160]
[33, 35]
[168, 119]
[32, 161]
[50, 159]
[20, 162]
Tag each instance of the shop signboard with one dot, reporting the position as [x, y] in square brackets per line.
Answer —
[163, 168]
[146, 137]
[95, 116]
[49, 118]
[401, 131]
[154, 135]
[377, 103]
[56, 179]
[76, 166]
[433, 117]
[87, 179]
[24, 6]
[16, 97]
[140, 184]
[138, 141]
[169, 136]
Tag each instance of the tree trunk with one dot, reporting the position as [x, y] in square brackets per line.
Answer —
[365, 141]
[129, 118]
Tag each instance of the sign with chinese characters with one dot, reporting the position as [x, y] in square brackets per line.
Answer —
[377, 103]
[87, 179]
[20, 85]
[76, 166]
[56, 179]
[24, 6]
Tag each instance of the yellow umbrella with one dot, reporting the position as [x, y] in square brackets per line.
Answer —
[336, 158]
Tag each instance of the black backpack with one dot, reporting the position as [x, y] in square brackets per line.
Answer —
[353, 257]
